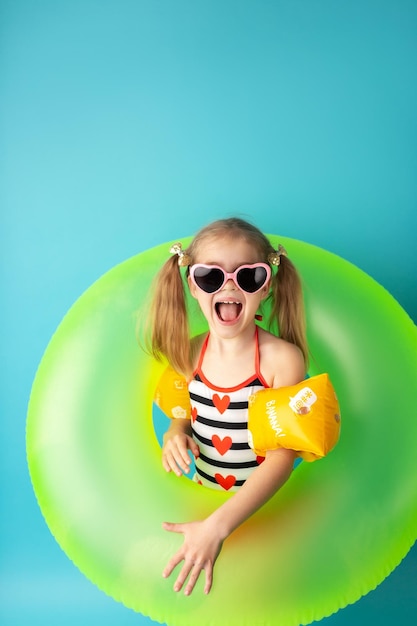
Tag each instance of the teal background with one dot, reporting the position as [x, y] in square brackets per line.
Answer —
[128, 123]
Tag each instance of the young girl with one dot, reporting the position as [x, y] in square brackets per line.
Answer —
[231, 268]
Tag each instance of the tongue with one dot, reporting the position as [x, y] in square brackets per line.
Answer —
[228, 312]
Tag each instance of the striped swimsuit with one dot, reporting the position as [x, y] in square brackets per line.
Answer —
[220, 427]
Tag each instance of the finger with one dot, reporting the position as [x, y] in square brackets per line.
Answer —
[195, 573]
[165, 463]
[183, 575]
[172, 463]
[175, 457]
[194, 448]
[183, 462]
[172, 527]
[171, 565]
[175, 559]
[209, 578]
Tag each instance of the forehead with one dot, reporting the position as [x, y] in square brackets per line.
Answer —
[227, 250]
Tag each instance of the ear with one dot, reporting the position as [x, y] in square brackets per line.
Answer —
[265, 290]
[192, 287]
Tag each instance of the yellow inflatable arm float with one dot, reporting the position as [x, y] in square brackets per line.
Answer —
[304, 417]
[172, 396]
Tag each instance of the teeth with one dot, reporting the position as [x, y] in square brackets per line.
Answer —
[229, 302]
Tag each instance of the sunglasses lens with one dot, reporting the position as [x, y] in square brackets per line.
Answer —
[250, 279]
[209, 279]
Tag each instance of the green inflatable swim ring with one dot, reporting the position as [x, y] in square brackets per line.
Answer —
[331, 535]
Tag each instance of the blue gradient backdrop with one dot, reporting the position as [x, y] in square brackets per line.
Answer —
[132, 122]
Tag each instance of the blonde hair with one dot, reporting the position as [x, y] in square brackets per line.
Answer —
[169, 328]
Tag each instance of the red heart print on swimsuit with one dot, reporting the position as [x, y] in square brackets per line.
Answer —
[221, 445]
[194, 413]
[226, 482]
[221, 403]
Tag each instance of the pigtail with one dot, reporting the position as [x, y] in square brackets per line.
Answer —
[168, 321]
[288, 305]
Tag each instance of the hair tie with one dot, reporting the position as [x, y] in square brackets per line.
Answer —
[274, 257]
[183, 258]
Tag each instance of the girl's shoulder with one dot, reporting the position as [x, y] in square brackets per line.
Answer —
[282, 363]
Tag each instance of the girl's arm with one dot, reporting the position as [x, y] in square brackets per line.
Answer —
[177, 440]
[203, 540]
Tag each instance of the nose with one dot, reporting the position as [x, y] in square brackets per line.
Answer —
[230, 284]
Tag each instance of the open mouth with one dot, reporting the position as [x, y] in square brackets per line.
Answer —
[228, 310]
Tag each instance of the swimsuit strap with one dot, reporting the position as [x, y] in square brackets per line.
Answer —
[257, 355]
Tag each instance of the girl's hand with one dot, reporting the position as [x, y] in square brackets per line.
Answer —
[199, 552]
[177, 442]
[203, 540]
